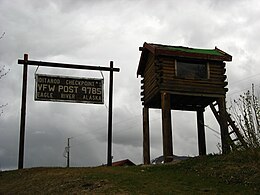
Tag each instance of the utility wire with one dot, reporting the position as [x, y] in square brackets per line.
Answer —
[213, 131]
[247, 78]
[104, 127]
[242, 90]
[117, 132]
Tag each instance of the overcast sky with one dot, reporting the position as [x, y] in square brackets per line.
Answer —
[96, 32]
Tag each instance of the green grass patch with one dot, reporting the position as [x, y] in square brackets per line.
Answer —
[236, 173]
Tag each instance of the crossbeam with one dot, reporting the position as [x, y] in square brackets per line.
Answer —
[64, 65]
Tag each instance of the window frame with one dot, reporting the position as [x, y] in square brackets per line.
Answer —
[207, 76]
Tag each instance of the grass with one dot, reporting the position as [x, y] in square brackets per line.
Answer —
[236, 173]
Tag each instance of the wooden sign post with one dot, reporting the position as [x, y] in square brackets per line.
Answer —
[23, 113]
[93, 94]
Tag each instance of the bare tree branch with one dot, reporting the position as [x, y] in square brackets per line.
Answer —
[3, 72]
[1, 109]
[246, 112]
[2, 35]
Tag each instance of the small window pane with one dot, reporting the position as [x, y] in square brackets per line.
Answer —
[192, 70]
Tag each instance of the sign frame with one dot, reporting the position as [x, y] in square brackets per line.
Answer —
[26, 63]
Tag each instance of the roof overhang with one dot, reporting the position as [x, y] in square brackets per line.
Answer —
[180, 52]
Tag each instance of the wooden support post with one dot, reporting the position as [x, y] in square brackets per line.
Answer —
[166, 127]
[201, 132]
[23, 113]
[223, 125]
[110, 110]
[146, 136]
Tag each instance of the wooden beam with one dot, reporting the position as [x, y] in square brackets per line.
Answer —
[141, 48]
[146, 136]
[70, 66]
[23, 113]
[201, 132]
[110, 117]
[223, 125]
[166, 127]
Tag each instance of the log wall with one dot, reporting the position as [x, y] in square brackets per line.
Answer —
[150, 80]
[214, 85]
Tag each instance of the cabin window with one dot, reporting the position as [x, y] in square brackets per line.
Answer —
[192, 70]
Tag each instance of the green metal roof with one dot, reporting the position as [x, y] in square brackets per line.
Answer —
[194, 50]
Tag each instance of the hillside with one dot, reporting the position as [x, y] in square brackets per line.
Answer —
[238, 173]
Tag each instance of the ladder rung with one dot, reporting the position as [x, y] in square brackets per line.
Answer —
[231, 132]
[215, 103]
[235, 140]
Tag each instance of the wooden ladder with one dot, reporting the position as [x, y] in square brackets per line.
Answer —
[236, 141]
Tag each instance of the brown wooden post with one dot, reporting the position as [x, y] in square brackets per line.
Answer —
[166, 127]
[223, 125]
[23, 113]
[201, 132]
[110, 110]
[146, 136]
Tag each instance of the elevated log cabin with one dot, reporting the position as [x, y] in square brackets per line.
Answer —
[182, 78]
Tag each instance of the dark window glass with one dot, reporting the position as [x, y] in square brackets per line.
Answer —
[192, 70]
